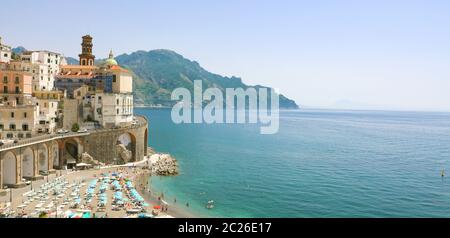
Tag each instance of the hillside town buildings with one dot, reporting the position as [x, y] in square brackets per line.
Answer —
[98, 95]
[56, 116]
[41, 93]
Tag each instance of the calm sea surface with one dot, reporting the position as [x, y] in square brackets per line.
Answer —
[320, 164]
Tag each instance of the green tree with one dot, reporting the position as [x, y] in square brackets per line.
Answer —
[75, 127]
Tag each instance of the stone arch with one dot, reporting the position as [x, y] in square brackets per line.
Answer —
[71, 146]
[9, 169]
[128, 140]
[28, 163]
[55, 155]
[72, 149]
[43, 158]
[146, 142]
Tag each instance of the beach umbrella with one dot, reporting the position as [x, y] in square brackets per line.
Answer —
[156, 207]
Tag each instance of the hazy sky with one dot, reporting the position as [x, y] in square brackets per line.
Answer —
[394, 54]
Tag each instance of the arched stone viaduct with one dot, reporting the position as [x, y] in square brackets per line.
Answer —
[30, 159]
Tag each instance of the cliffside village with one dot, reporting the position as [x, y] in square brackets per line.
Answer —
[41, 94]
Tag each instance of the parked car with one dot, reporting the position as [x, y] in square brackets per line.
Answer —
[62, 131]
[82, 130]
[6, 142]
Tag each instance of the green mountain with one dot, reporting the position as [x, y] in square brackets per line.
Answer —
[158, 72]
[71, 60]
[18, 50]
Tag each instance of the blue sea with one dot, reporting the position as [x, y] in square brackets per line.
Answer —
[321, 163]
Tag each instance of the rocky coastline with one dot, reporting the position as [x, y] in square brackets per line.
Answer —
[163, 164]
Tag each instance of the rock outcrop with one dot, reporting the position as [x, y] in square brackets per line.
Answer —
[125, 155]
[88, 159]
[163, 165]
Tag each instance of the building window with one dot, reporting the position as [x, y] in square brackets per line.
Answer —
[5, 89]
[5, 79]
[25, 127]
[114, 78]
[12, 127]
[12, 114]
[17, 80]
[24, 115]
[1, 126]
[117, 101]
[17, 90]
[117, 111]
[9, 135]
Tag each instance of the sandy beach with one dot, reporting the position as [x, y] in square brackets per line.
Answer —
[20, 203]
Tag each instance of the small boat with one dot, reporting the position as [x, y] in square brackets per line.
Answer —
[210, 204]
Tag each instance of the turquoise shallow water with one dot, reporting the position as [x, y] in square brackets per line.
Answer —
[320, 164]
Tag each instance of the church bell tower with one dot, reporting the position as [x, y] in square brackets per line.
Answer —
[86, 56]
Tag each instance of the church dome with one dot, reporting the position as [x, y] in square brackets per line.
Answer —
[111, 61]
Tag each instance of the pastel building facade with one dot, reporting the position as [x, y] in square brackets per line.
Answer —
[5, 52]
[18, 121]
[44, 66]
[18, 110]
[49, 110]
[113, 109]
[15, 82]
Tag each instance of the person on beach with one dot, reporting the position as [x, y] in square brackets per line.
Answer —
[187, 204]
[175, 200]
